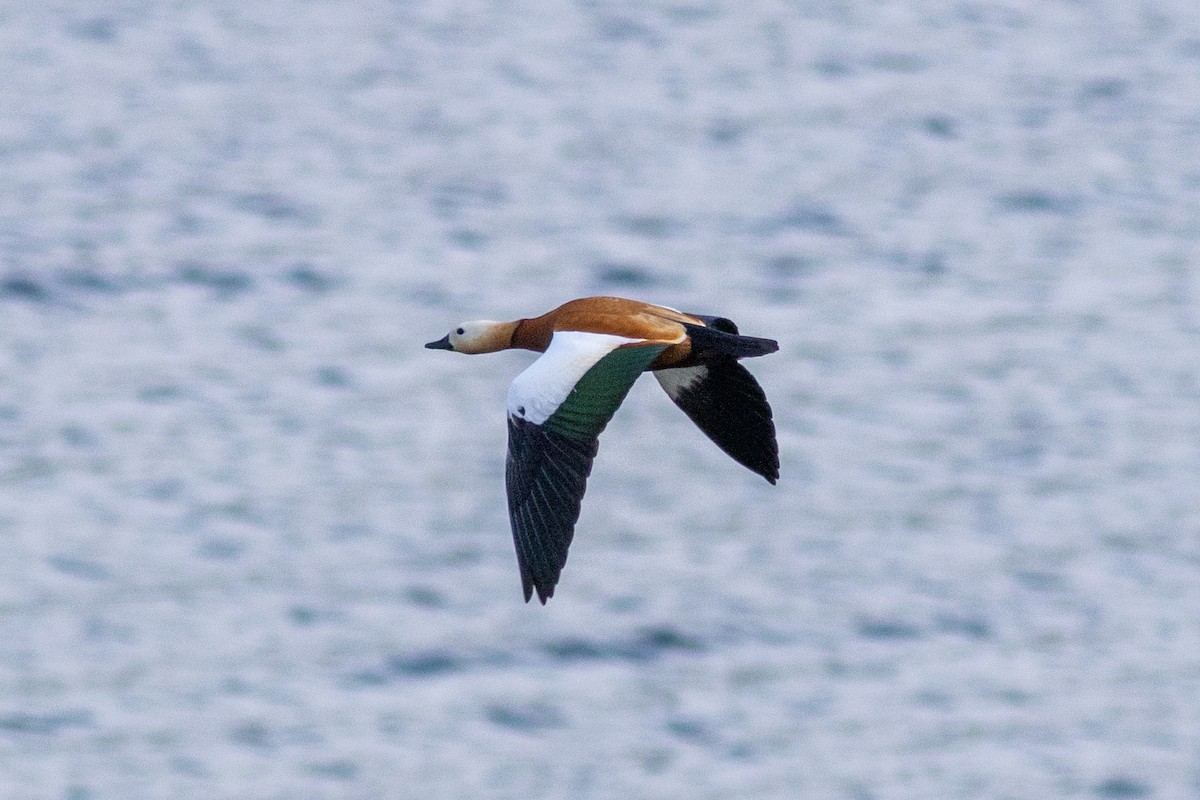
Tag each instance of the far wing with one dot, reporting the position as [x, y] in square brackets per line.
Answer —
[557, 409]
[725, 402]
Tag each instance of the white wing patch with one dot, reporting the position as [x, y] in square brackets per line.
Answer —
[538, 391]
[678, 380]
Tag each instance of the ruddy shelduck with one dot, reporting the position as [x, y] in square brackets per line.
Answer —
[593, 350]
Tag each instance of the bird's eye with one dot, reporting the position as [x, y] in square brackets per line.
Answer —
[459, 331]
[521, 410]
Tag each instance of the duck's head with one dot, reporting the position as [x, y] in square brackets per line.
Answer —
[479, 336]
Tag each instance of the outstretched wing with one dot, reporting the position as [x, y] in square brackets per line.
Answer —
[556, 411]
[725, 402]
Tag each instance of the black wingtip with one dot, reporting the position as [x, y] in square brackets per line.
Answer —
[768, 463]
[763, 462]
[543, 593]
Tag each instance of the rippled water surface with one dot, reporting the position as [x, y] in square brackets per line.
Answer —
[255, 539]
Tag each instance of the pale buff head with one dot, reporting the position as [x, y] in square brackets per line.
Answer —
[479, 336]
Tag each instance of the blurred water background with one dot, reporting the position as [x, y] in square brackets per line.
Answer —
[254, 536]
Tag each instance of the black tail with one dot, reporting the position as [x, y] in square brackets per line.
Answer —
[717, 338]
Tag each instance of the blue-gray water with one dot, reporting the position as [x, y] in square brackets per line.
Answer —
[254, 536]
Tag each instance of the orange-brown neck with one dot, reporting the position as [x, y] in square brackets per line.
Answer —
[532, 334]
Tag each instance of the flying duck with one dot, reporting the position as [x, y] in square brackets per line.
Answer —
[593, 350]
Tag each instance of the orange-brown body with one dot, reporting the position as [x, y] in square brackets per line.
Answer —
[612, 315]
